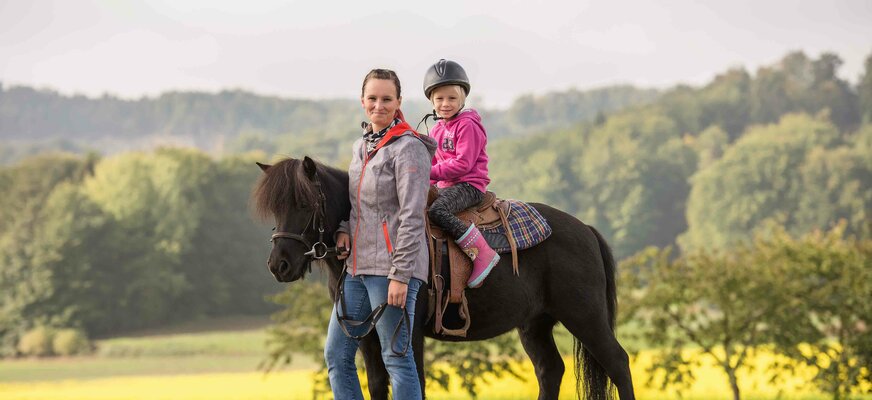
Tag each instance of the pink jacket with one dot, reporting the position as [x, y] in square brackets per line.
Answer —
[460, 155]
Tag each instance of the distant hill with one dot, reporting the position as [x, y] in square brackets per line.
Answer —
[33, 120]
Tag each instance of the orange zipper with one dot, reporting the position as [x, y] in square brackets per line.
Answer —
[387, 237]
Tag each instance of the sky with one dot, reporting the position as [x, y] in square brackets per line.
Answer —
[322, 49]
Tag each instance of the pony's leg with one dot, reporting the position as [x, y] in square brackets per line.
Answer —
[418, 348]
[376, 375]
[422, 307]
[538, 340]
[599, 339]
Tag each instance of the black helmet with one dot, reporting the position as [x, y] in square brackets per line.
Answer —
[445, 72]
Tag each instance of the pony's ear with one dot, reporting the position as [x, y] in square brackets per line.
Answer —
[309, 167]
[263, 167]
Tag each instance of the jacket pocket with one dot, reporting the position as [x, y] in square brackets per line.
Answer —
[387, 237]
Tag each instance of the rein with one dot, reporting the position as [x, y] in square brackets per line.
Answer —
[370, 320]
[319, 250]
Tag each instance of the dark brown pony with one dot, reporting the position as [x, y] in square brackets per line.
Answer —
[569, 278]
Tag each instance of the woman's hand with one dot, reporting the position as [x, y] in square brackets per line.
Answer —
[343, 245]
[397, 293]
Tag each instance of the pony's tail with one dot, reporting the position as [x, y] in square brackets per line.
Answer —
[609, 264]
[596, 383]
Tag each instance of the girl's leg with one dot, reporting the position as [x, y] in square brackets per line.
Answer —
[404, 374]
[339, 351]
[451, 200]
[468, 237]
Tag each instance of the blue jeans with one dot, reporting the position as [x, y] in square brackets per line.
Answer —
[363, 293]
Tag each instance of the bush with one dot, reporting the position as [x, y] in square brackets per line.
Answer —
[69, 342]
[36, 342]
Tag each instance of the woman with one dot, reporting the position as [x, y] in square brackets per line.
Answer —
[388, 181]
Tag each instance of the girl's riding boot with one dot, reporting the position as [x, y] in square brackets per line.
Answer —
[484, 258]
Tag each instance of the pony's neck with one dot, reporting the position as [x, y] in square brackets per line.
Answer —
[334, 184]
[334, 268]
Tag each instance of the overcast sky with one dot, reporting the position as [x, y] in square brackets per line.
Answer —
[323, 48]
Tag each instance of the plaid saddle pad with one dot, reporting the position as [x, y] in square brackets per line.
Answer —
[528, 227]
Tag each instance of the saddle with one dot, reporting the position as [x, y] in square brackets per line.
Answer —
[488, 214]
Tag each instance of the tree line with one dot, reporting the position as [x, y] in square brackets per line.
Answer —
[232, 121]
[131, 241]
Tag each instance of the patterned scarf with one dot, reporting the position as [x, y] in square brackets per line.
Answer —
[372, 138]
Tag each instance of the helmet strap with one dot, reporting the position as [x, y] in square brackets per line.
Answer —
[437, 117]
[424, 120]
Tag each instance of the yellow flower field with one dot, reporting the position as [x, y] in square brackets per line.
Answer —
[286, 385]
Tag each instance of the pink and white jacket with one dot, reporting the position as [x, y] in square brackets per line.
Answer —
[460, 152]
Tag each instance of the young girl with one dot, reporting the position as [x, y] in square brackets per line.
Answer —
[459, 168]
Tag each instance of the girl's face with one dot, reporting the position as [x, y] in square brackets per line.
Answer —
[380, 102]
[447, 100]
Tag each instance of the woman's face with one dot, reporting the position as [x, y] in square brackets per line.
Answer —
[447, 100]
[380, 102]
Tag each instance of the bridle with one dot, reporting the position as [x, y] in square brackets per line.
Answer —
[319, 250]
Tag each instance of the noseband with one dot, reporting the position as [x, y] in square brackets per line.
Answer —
[319, 249]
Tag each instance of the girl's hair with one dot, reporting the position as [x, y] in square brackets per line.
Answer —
[379, 73]
[459, 89]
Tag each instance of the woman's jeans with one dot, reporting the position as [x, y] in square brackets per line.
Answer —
[363, 293]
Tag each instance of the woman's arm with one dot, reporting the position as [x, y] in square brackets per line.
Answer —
[411, 171]
[344, 226]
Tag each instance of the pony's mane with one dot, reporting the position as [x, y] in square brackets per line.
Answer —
[282, 187]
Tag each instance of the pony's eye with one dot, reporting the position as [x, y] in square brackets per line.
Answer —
[274, 229]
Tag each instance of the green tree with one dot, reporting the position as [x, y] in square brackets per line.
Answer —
[720, 302]
[725, 102]
[831, 93]
[131, 241]
[474, 363]
[300, 328]
[224, 257]
[836, 185]
[710, 145]
[682, 105]
[634, 171]
[190, 245]
[800, 84]
[156, 204]
[828, 328]
[538, 168]
[761, 177]
[26, 188]
[77, 255]
[864, 88]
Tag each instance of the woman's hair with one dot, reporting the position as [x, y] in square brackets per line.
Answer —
[379, 73]
[457, 88]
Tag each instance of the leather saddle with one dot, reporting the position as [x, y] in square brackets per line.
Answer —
[448, 279]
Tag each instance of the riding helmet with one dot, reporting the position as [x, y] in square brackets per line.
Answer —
[445, 72]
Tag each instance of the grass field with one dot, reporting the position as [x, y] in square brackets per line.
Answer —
[201, 364]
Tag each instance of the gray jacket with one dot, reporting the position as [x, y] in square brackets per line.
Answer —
[387, 214]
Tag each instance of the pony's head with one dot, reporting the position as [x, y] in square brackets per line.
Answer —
[292, 192]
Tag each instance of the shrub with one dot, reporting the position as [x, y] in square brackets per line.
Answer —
[36, 342]
[68, 342]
